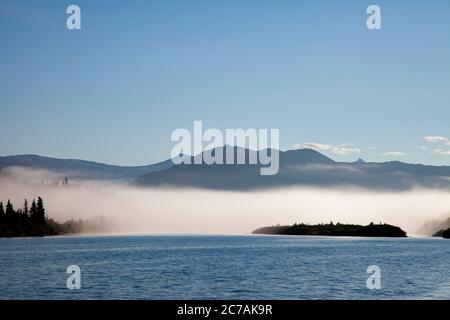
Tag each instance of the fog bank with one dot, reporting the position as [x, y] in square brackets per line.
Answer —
[138, 210]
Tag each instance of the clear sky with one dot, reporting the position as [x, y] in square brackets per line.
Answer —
[116, 89]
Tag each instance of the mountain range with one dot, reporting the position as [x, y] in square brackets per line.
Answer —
[303, 167]
[81, 169]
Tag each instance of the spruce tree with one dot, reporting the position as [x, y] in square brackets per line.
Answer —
[40, 211]
[24, 214]
[10, 213]
[26, 211]
[2, 213]
[33, 212]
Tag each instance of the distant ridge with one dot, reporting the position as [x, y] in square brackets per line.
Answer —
[81, 169]
[302, 167]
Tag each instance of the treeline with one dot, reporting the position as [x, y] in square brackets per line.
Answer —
[32, 221]
[444, 233]
[331, 229]
[28, 221]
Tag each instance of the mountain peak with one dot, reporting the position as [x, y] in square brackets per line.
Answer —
[302, 156]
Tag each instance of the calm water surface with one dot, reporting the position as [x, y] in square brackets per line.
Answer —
[224, 267]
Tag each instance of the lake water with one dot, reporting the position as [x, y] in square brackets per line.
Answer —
[224, 267]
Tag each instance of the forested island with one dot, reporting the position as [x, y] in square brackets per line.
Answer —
[443, 233]
[446, 234]
[331, 229]
[32, 221]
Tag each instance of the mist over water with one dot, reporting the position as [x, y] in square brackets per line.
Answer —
[145, 210]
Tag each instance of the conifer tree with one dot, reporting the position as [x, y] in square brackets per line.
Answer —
[23, 213]
[33, 212]
[26, 211]
[30, 221]
[10, 213]
[40, 211]
[2, 214]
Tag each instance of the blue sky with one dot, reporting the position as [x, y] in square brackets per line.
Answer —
[116, 89]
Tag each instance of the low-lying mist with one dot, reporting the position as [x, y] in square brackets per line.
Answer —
[137, 210]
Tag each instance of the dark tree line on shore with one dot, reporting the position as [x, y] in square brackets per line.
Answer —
[331, 229]
[30, 220]
[444, 233]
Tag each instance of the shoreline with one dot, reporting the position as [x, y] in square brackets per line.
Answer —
[105, 235]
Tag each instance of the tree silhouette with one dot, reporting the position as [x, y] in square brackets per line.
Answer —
[2, 214]
[33, 212]
[32, 221]
[25, 221]
[40, 215]
[26, 211]
[9, 213]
